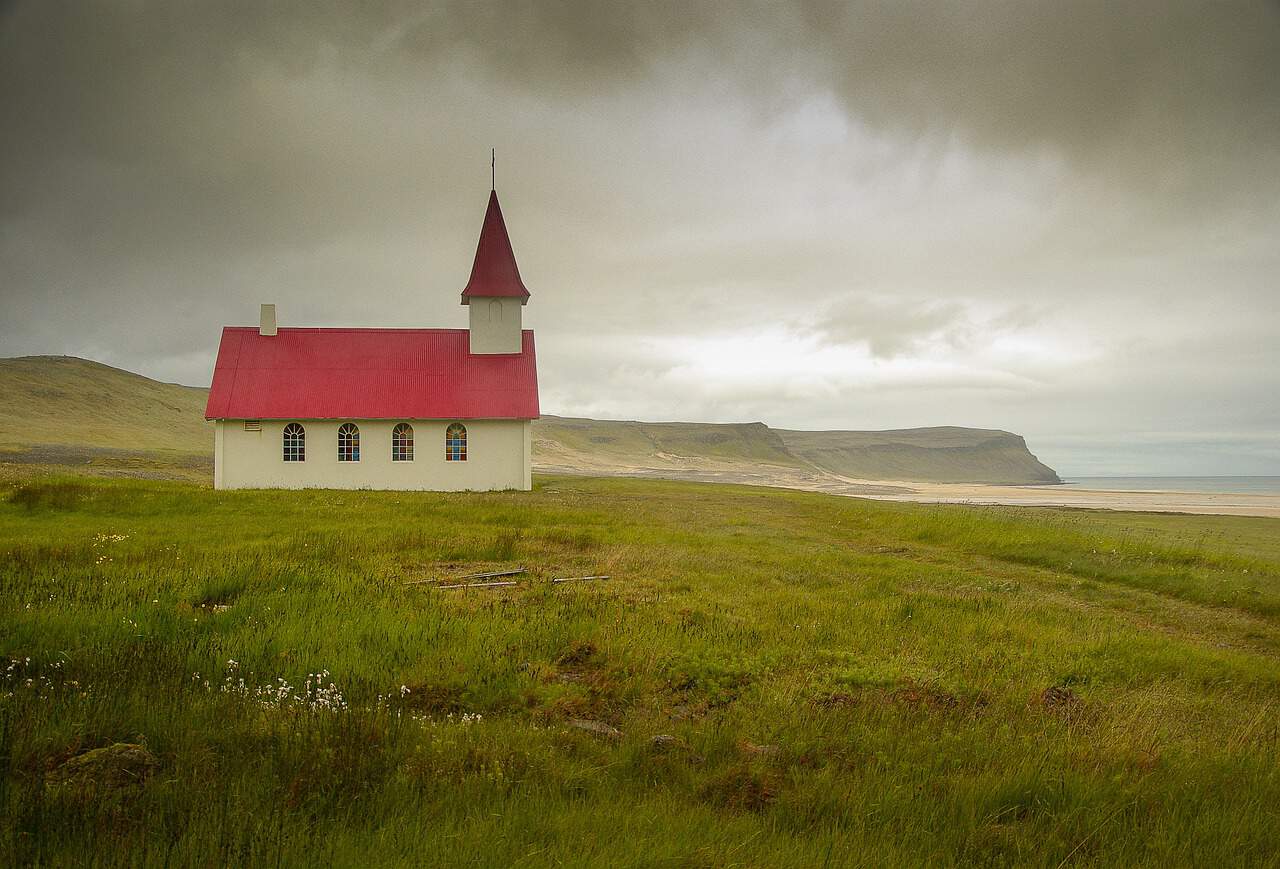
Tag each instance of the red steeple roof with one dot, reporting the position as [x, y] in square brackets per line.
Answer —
[495, 272]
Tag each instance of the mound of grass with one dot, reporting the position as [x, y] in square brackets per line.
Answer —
[768, 678]
[55, 495]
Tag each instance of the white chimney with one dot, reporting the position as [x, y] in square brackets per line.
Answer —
[268, 325]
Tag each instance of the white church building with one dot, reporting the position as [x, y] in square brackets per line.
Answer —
[440, 409]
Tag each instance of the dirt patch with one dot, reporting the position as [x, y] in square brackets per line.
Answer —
[925, 697]
[893, 550]
[117, 770]
[664, 742]
[688, 711]
[599, 728]
[741, 789]
[434, 699]
[1061, 701]
[837, 700]
[578, 655]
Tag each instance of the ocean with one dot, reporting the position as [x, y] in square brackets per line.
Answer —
[1225, 485]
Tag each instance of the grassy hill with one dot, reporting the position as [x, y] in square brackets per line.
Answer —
[63, 412]
[593, 444]
[944, 454]
[62, 400]
[768, 678]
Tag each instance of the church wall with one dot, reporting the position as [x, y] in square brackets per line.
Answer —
[498, 457]
[495, 325]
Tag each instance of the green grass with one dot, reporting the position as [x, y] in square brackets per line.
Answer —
[841, 681]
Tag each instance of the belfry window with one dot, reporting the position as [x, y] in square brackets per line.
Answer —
[295, 443]
[402, 443]
[348, 443]
[455, 443]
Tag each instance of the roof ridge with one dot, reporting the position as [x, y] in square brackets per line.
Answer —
[354, 329]
[369, 373]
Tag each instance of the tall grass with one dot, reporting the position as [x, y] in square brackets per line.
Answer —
[769, 678]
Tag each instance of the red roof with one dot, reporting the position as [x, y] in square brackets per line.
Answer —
[494, 272]
[369, 374]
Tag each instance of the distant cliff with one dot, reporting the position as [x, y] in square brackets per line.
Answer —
[680, 449]
[945, 454]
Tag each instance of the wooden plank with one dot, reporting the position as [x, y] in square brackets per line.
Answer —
[479, 584]
[509, 582]
[492, 575]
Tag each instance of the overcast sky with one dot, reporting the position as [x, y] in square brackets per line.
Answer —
[1059, 218]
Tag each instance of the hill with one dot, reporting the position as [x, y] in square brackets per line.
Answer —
[602, 445]
[62, 400]
[64, 412]
[944, 454]
[67, 412]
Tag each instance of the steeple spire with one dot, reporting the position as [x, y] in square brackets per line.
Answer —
[494, 273]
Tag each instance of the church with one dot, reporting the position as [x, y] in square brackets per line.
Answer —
[427, 409]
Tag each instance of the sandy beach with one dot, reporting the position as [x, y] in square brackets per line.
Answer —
[950, 493]
[1074, 496]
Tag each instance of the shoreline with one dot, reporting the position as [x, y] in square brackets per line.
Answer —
[1062, 495]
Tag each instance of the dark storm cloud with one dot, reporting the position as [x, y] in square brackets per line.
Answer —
[1170, 94]
[1010, 196]
[1171, 97]
[1166, 90]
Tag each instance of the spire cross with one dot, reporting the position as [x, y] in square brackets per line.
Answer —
[493, 172]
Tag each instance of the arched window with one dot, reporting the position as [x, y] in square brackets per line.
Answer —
[295, 443]
[495, 311]
[455, 443]
[402, 443]
[348, 442]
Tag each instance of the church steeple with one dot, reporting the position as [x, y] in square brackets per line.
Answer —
[495, 295]
[494, 274]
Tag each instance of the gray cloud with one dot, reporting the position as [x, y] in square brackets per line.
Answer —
[1056, 218]
[891, 328]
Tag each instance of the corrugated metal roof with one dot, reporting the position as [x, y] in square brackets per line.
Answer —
[369, 374]
[494, 272]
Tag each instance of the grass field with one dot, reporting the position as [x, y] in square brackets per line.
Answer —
[769, 678]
